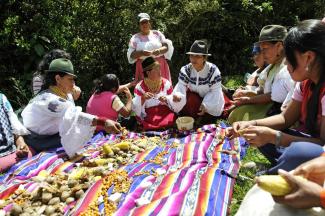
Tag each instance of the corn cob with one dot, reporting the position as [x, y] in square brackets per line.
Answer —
[107, 150]
[124, 146]
[274, 184]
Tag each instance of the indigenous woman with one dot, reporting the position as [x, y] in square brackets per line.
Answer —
[286, 149]
[275, 82]
[199, 84]
[149, 43]
[38, 77]
[152, 103]
[12, 145]
[52, 117]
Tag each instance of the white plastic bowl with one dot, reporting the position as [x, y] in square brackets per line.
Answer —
[185, 123]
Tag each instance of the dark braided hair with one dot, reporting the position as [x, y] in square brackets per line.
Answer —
[309, 35]
[108, 82]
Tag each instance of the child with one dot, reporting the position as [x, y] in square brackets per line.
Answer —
[105, 103]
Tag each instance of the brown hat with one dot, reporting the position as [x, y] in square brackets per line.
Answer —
[272, 33]
[149, 63]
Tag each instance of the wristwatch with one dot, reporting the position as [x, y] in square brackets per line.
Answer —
[278, 137]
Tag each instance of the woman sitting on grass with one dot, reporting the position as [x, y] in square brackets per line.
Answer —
[153, 100]
[284, 148]
[106, 103]
[275, 82]
[52, 117]
[199, 85]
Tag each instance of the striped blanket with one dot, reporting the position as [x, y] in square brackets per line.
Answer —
[197, 178]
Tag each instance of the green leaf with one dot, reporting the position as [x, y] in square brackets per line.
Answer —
[39, 49]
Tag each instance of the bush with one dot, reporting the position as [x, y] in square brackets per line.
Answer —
[97, 32]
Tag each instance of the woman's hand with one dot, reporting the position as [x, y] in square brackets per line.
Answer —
[258, 136]
[176, 98]
[22, 148]
[232, 132]
[163, 99]
[202, 110]
[306, 194]
[148, 95]
[239, 93]
[127, 93]
[313, 170]
[241, 101]
[146, 53]
[112, 126]
[156, 52]
[76, 92]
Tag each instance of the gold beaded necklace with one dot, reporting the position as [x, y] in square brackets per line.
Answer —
[153, 85]
[56, 90]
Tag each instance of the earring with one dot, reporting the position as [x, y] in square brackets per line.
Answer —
[307, 68]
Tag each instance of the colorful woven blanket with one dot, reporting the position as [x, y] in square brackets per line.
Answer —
[196, 174]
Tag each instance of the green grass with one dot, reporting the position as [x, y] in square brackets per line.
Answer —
[243, 185]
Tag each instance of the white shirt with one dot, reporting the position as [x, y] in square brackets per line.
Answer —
[206, 83]
[140, 90]
[150, 42]
[48, 114]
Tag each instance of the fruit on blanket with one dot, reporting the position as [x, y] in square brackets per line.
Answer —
[107, 150]
[275, 184]
[124, 146]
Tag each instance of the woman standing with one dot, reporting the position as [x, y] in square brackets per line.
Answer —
[152, 102]
[149, 43]
[199, 84]
[275, 81]
[52, 117]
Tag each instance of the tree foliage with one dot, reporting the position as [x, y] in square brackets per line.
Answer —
[97, 32]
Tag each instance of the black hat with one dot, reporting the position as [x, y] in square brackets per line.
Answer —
[199, 47]
[149, 63]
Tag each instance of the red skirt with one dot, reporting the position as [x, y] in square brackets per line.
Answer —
[193, 103]
[158, 117]
[192, 106]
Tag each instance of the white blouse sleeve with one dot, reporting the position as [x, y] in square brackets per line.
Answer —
[180, 90]
[75, 130]
[168, 55]
[214, 100]
[137, 106]
[132, 47]
[282, 86]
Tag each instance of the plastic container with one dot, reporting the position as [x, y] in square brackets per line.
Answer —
[185, 123]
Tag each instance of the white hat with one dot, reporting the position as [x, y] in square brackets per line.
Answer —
[143, 16]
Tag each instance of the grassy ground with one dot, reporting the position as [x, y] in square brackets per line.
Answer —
[243, 184]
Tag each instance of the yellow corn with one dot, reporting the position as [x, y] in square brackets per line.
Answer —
[124, 146]
[274, 184]
[107, 149]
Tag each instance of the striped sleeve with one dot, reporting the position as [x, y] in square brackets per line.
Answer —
[184, 74]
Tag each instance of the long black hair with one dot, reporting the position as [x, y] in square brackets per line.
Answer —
[309, 35]
[108, 82]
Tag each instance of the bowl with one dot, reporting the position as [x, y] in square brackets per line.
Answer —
[185, 123]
